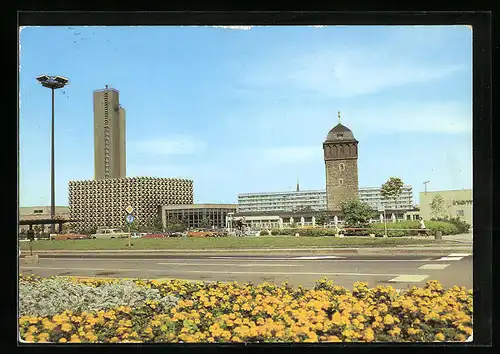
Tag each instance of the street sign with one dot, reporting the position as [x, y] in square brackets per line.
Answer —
[129, 209]
[129, 219]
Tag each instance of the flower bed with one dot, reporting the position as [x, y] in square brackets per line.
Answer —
[230, 312]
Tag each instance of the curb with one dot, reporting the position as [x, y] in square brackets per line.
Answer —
[352, 250]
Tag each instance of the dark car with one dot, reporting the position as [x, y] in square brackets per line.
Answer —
[158, 235]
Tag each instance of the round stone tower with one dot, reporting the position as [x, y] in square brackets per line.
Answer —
[341, 166]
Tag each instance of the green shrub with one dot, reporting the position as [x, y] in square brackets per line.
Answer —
[446, 227]
[462, 226]
[311, 232]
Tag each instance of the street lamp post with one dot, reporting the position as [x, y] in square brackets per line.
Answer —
[53, 83]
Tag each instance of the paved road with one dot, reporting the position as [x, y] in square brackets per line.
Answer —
[461, 238]
[399, 271]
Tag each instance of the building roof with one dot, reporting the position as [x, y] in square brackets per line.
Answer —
[62, 217]
[282, 213]
[340, 133]
[45, 221]
[200, 206]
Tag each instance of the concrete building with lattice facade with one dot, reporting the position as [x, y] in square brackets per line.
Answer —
[102, 203]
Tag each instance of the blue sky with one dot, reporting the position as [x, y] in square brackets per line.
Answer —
[247, 110]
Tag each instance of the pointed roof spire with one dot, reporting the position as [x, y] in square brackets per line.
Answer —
[338, 114]
[298, 189]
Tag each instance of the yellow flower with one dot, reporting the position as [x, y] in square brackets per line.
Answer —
[388, 319]
[29, 338]
[32, 329]
[66, 327]
[48, 325]
[75, 339]
[114, 340]
[395, 331]
[62, 340]
[439, 337]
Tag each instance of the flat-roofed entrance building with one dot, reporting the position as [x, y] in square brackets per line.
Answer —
[197, 215]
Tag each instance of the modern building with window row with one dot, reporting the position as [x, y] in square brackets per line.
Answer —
[197, 215]
[102, 202]
[287, 201]
[316, 200]
[372, 196]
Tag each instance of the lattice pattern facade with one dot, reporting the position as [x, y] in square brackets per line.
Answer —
[102, 203]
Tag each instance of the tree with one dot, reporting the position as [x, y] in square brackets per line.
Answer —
[356, 212]
[175, 225]
[437, 206]
[205, 222]
[158, 224]
[321, 218]
[392, 189]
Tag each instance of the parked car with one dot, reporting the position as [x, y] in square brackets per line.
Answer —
[109, 234]
[135, 235]
[69, 236]
[177, 234]
[202, 233]
[157, 235]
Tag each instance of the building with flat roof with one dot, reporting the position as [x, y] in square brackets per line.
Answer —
[102, 203]
[279, 219]
[317, 200]
[41, 213]
[448, 203]
[197, 215]
[283, 201]
[109, 135]
[373, 197]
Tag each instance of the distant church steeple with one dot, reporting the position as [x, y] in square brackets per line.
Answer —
[338, 114]
[298, 189]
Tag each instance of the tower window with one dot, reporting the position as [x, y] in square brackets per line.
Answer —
[341, 181]
[340, 135]
[341, 167]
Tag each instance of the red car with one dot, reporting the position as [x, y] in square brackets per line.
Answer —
[69, 237]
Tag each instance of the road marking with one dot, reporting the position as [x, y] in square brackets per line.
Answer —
[408, 278]
[338, 259]
[232, 264]
[459, 255]
[318, 257]
[433, 266]
[223, 272]
[254, 258]
[241, 258]
[450, 258]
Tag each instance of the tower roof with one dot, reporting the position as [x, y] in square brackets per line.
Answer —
[340, 133]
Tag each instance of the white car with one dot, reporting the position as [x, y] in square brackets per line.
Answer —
[110, 233]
